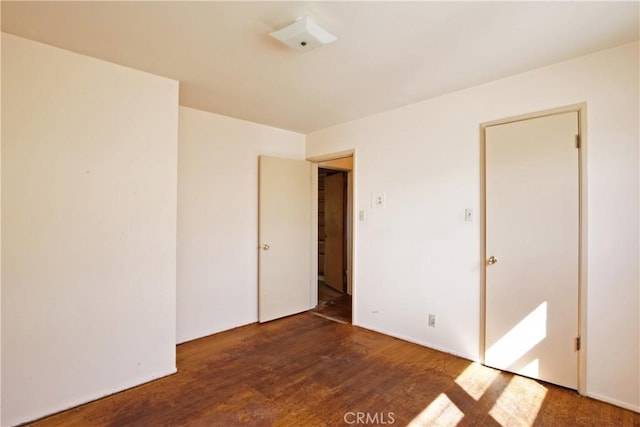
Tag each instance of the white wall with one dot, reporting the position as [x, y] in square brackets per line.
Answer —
[89, 172]
[218, 218]
[418, 256]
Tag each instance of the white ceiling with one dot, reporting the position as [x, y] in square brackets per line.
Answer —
[388, 54]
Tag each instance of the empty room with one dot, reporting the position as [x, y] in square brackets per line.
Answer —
[320, 213]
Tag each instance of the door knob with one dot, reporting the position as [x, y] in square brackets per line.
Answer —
[265, 247]
[492, 260]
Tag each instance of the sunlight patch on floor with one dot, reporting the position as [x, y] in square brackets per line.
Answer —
[519, 403]
[476, 379]
[441, 412]
[520, 339]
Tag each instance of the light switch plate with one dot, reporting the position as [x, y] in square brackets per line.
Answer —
[378, 200]
[468, 215]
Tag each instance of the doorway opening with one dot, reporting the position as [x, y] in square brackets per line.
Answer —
[334, 243]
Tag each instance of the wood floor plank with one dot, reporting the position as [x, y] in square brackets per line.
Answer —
[305, 370]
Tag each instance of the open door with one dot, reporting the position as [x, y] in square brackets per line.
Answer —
[284, 226]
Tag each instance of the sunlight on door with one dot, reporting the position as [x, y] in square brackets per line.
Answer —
[532, 225]
[532, 369]
[516, 343]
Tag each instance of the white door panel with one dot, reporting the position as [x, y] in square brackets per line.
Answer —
[284, 237]
[532, 229]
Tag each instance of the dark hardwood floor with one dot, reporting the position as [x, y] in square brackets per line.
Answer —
[305, 370]
[333, 304]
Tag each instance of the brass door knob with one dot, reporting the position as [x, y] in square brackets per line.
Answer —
[265, 247]
[492, 260]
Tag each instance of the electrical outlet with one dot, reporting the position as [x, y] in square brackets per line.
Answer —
[432, 320]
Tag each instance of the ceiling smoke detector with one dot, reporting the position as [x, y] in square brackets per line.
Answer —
[303, 35]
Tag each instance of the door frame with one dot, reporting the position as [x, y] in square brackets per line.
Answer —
[581, 109]
[351, 225]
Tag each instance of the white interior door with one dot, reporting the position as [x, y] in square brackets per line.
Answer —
[532, 233]
[284, 261]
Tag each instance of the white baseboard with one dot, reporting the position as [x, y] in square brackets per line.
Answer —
[625, 405]
[420, 343]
